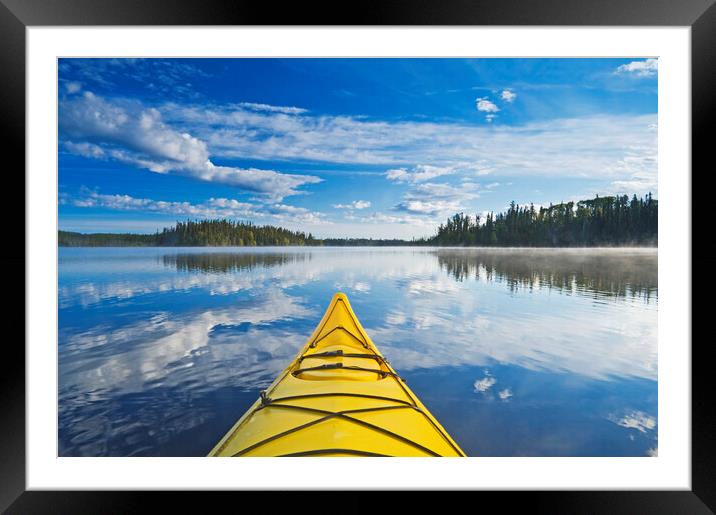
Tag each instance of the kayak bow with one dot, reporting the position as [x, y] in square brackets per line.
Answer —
[338, 397]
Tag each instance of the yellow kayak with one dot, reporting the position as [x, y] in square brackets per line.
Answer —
[338, 397]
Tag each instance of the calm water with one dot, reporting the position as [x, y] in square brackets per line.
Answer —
[517, 352]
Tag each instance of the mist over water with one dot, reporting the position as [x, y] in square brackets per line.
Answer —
[601, 272]
[518, 352]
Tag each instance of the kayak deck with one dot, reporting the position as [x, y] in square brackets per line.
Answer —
[338, 397]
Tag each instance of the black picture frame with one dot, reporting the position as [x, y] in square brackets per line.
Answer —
[17, 15]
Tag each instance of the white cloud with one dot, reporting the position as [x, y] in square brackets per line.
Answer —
[273, 109]
[399, 175]
[638, 184]
[582, 147]
[419, 173]
[185, 139]
[484, 105]
[484, 384]
[130, 133]
[356, 204]
[271, 184]
[437, 199]
[85, 149]
[286, 213]
[647, 68]
[508, 95]
[636, 170]
[428, 207]
[157, 76]
[505, 394]
[384, 218]
[430, 190]
[73, 87]
[225, 203]
[212, 208]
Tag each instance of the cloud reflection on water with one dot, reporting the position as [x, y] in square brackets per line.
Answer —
[438, 309]
[166, 349]
[586, 313]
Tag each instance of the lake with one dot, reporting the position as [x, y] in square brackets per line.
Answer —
[517, 352]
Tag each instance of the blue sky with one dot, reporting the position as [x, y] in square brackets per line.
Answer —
[346, 147]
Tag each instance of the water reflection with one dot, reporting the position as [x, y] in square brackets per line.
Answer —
[243, 345]
[128, 390]
[227, 262]
[108, 278]
[160, 352]
[619, 273]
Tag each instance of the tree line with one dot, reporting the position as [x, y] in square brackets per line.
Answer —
[76, 239]
[604, 221]
[220, 233]
[613, 220]
[199, 233]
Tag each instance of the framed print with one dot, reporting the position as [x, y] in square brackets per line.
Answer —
[458, 207]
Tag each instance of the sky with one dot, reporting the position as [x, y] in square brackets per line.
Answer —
[381, 148]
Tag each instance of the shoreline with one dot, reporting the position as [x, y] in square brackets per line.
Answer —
[455, 247]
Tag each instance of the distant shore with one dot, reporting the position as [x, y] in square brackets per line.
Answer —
[96, 240]
[613, 221]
